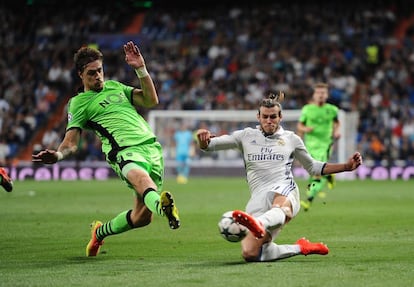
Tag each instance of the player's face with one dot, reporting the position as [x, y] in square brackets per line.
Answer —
[93, 76]
[269, 119]
[320, 95]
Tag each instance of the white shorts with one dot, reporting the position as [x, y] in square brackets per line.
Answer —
[262, 201]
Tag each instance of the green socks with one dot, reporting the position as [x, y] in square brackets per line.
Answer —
[152, 201]
[316, 186]
[122, 222]
[118, 224]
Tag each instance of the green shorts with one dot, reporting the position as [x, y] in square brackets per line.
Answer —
[148, 157]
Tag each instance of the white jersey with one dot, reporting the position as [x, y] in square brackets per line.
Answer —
[268, 159]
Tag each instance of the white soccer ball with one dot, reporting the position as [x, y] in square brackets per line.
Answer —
[231, 230]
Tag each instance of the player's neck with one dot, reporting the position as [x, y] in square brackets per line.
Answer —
[319, 104]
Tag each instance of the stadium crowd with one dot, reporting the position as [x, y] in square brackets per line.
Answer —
[224, 57]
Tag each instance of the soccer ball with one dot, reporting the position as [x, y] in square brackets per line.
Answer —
[231, 230]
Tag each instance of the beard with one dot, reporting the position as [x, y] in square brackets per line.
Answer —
[269, 130]
[98, 86]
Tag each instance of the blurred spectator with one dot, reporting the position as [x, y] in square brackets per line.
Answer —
[94, 148]
[4, 151]
[377, 148]
[51, 139]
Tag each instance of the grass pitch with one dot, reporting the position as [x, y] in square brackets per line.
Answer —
[368, 226]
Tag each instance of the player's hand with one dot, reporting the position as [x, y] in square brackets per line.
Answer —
[45, 156]
[307, 129]
[354, 161]
[133, 56]
[203, 138]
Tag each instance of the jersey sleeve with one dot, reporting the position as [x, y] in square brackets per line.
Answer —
[76, 115]
[224, 142]
[312, 166]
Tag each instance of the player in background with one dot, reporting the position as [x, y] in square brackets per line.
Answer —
[109, 109]
[183, 143]
[5, 180]
[268, 153]
[318, 126]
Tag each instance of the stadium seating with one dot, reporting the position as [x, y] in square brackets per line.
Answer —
[224, 57]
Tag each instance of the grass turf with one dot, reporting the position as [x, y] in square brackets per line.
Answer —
[368, 226]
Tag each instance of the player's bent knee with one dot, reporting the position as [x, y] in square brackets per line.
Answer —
[141, 219]
[250, 258]
[251, 255]
[143, 222]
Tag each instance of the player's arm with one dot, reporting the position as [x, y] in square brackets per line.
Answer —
[312, 166]
[315, 167]
[336, 133]
[68, 147]
[203, 138]
[209, 142]
[301, 129]
[146, 96]
[353, 162]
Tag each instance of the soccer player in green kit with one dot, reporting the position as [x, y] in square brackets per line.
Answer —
[318, 125]
[109, 109]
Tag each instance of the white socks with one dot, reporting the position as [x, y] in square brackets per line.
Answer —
[271, 251]
[273, 218]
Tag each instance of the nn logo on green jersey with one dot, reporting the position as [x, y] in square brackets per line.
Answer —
[113, 99]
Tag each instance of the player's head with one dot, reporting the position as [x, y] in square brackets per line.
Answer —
[320, 93]
[89, 66]
[269, 113]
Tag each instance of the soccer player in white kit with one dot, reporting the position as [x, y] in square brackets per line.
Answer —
[268, 153]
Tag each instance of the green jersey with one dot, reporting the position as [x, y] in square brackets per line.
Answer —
[111, 115]
[321, 119]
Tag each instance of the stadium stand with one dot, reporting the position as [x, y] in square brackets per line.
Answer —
[223, 57]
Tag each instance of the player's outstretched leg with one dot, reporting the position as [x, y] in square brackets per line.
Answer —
[307, 247]
[169, 209]
[94, 244]
[250, 222]
[6, 181]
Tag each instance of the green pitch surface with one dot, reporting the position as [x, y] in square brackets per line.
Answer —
[44, 228]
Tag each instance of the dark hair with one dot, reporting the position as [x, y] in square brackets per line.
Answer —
[84, 56]
[273, 100]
